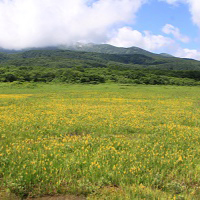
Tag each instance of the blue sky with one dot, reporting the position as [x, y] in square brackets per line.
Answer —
[170, 26]
[155, 14]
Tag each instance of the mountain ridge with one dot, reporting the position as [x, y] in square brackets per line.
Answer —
[110, 49]
[94, 55]
[91, 47]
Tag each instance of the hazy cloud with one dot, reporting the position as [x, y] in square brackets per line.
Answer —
[28, 23]
[174, 2]
[126, 37]
[170, 29]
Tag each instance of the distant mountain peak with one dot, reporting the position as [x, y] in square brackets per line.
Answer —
[166, 55]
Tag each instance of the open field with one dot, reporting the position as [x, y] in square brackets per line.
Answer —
[100, 141]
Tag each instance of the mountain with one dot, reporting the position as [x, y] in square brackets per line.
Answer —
[54, 57]
[95, 55]
[166, 55]
[2, 50]
[11, 51]
[95, 48]
[107, 49]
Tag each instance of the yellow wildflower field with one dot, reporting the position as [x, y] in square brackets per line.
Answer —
[115, 141]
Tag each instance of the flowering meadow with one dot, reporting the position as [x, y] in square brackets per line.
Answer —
[100, 141]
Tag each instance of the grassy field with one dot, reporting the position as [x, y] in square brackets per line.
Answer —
[100, 141]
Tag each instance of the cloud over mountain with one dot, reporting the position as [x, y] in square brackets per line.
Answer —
[28, 23]
[40, 23]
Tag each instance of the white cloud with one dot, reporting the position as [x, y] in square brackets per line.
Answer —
[27, 23]
[195, 11]
[170, 29]
[126, 37]
[188, 53]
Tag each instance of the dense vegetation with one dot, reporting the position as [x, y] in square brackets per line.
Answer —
[88, 67]
[106, 141]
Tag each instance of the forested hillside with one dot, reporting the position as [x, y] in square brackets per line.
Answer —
[59, 65]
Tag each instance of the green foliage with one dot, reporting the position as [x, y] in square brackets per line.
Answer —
[87, 67]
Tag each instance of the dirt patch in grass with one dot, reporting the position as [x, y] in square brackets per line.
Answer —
[9, 196]
[66, 197]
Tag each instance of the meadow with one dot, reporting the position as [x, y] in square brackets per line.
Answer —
[105, 141]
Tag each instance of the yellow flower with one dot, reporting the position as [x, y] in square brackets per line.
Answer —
[180, 159]
[142, 186]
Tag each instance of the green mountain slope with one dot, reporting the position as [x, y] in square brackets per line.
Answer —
[91, 59]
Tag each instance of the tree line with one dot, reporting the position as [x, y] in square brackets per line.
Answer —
[84, 67]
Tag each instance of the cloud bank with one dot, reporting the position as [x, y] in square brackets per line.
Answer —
[37, 23]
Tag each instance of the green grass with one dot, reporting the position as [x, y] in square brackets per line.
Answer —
[101, 141]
